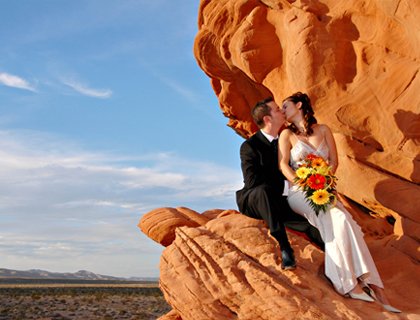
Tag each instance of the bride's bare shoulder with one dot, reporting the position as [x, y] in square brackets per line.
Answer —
[323, 127]
[286, 133]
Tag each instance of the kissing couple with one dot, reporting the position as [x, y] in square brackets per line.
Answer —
[269, 160]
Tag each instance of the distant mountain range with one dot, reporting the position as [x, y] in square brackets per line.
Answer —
[79, 275]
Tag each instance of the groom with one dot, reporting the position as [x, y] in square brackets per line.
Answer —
[265, 188]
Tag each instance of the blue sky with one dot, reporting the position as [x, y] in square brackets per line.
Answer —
[104, 116]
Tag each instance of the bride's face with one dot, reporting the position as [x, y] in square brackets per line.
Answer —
[291, 110]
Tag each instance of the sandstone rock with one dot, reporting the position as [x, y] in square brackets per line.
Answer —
[358, 60]
[160, 224]
[229, 268]
[171, 315]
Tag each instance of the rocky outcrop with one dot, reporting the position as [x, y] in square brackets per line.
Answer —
[228, 267]
[358, 60]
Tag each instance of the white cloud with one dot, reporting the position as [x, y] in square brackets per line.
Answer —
[85, 90]
[13, 81]
[64, 208]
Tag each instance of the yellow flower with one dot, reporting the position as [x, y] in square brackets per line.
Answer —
[320, 197]
[302, 172]
[325, 171]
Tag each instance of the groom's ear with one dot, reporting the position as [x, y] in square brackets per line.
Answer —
[266, 119]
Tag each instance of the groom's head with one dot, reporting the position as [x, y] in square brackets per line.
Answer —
[266, 113]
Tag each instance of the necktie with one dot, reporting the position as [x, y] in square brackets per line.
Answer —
[275, 145]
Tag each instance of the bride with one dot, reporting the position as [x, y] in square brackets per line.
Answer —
[348, 263]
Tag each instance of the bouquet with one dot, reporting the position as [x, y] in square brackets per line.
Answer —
[317, 181]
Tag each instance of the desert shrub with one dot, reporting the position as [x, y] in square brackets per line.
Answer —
[35, 296]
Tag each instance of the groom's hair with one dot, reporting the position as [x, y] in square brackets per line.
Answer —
[260, 110]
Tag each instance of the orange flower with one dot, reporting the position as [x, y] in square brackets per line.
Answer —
[318, 163]
[316, 181]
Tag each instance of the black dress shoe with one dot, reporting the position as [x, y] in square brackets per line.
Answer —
[288, 260]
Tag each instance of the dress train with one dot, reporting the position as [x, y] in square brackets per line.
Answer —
[347, 256]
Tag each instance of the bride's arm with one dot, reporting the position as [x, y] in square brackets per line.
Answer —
[284, 155]
[333, 157]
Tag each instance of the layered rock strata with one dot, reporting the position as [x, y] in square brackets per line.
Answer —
[228, 267]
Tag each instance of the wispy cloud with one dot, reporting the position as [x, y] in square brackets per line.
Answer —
[62, 205]
[13, 81]
[87, 91]
[187, 93]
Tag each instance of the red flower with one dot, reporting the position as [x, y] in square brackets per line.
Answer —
[316, 181]
[311, 156]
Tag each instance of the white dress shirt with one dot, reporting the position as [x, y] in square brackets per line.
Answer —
[286, 183]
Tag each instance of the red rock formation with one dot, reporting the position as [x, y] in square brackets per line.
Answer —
[163, 230]
[229, 268]
[358, 60]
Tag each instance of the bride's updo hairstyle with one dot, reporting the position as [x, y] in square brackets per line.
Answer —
[308, 112]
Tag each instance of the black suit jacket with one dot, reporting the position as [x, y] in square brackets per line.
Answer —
[259, 165]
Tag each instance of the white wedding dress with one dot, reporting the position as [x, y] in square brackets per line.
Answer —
[347, 256]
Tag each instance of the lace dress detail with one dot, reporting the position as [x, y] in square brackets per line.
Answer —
[347, 256]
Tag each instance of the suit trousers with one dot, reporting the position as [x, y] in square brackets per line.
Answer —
[266, 203]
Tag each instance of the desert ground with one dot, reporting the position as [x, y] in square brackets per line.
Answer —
[86, 300]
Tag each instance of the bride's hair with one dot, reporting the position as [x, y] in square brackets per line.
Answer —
[308, 112]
